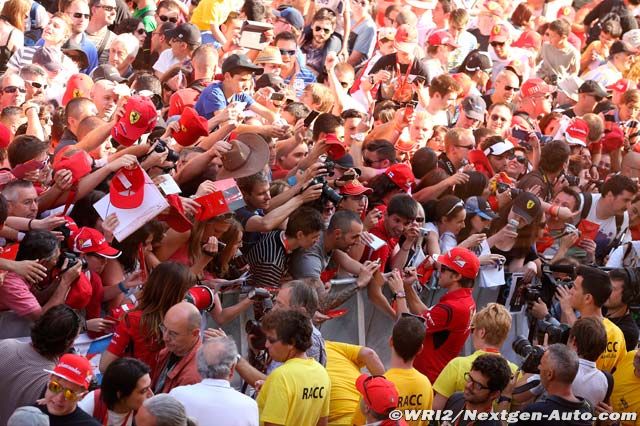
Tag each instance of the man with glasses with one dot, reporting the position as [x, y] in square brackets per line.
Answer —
[499, 119]
[488, 377]
[457, 144]
[168, 11]
[293, 71]
[13, 91]
[501, 51]
[184, 40]
[35, 80]
[536, 100]
[177, 362]
[68, 384]
[78, 11]
[319, 39]
[103, 14]
[379, 154]
[506, 86]
[448, 322]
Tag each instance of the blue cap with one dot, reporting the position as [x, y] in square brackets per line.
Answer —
[292, 16]
[479, 206]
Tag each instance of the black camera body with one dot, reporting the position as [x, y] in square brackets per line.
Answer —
[161, 146]
[501, 187]
[555, 333]
[72, 259]
[532, 354]
[572, 180]
[328, 193]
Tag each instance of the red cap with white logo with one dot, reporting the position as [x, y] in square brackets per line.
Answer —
[577, 132]
[461, 260]
[89, 240]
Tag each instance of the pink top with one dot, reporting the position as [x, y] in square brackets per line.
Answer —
[16, 296]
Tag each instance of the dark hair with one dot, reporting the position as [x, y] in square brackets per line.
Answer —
[352, 113]
[255, 10]
[37, 245]
[130, 245]
[342, 220]
[496, 368]
[247, 184]
[325, 14]
[444, 208]
[629, 292]
[475, 186]
[54, 332]
[447, 6]
[326, 123]
[128, 25]
[403, 205]
[4, 209]
[306, 220]
[286, 36]
[617, 184]
[561, 27]
[596, 283]
[526, 235]
[383, 148]
[553, 156]
[443, 84]
[291, 326]
[24, 148]
[381, 107]
[423, 161]
[408, 336]
[590, 338]
[120, 379]
[83, 213]
[382, 185]
[521, 15]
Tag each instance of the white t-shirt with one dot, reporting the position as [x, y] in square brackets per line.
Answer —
[165, 61]
[617, 255]
[113, 419]
[607, 231]
[447, 240]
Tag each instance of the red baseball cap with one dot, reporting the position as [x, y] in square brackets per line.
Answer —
[5, 136]
[499, 33]
[126, 190]
[354, 187]
[442, 38]
[73, 228]
[406, 38]
[139, 118]
[176, 218]
[336, 146]
[577, 131]
[192, 126]
[74, 160]
[621, 85]
[378, 393]
[211, 205]
[79, 294]
[74, 368]
[535, 86]
[613, 139]
[89, 240]
[528, 40]
[567, 12]
[461, 260]
[79, 86]
[401, 175]
[181, 99]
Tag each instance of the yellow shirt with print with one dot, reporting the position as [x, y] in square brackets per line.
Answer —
[211, 12]
[343, 368]
[451, 378]
[295, 394]
[616, 347]
[625, 397]
[414, 393]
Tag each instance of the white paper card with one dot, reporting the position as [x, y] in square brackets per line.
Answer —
[376, 242]
[168, 185]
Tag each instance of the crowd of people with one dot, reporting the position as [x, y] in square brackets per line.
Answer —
[170, 168]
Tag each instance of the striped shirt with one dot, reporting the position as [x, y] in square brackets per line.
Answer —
[24, 56]
[268, 261]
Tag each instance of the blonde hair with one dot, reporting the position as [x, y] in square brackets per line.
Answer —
[14, 12]
[65, 18]
[496, 322]
[320, 96]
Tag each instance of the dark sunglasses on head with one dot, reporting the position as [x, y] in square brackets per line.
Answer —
[14, 89]
[286, 52]
[325, 30]
[81, 15]
[165, 18]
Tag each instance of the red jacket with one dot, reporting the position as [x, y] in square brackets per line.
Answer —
[185, 372]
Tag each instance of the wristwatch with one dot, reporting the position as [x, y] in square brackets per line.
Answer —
[400, 295]
[504, 398]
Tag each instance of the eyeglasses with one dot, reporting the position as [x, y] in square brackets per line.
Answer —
[521, 159]
[140, 31]
[477, 385]
[14, 89]
[286, 52]
[324, 30]
[497, 43]
[168, 89]
[36, 85]
[107, 8]
[455, 206]
[370, 163]
[419, 219]
[69, 395]
[165, 18]
[464, 146]
[496, 117]
[410, 315]
[78, 15]
[511, 88]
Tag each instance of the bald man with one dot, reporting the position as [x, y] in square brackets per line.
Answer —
[506, 87]
[177, 362]
[631, 164]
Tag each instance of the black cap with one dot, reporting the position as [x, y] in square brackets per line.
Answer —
[166, 26]
[107, 72]
[476, 61]
[527, 206]
[270, 80]
[620, 47]
[186, 32]
[73, 50]
[240, 61]
[591, 87]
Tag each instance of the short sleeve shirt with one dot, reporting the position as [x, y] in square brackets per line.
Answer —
[16, 296]
[212, 99]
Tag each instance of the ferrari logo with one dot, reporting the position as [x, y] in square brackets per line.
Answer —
[183, 128]
[565, 11]
[76, 93]
[496, 30]
[530, 204]
[134, 117]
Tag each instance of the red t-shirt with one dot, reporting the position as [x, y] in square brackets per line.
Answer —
[144, 348]
[448, 325]
[383, 252]
[277, 172]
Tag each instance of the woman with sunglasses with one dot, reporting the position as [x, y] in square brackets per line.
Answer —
[518, 165]
[12, 19]
[126, 384]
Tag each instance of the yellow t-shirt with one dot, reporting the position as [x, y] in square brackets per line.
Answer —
[625, 397]
[294, 394]
[616, 347]
[414, 391]
[343, 368]
[451, 378]
[211, 12]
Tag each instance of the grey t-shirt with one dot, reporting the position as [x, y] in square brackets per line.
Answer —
[309, 263]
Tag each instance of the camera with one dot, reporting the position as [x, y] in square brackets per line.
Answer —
[555, 333]
[572, 180]
[532, 354]
[501, 187]
[72, 259]
[161, 146]
[262, 305]
[328, 193]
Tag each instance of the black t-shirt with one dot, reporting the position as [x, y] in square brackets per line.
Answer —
[629, 329]
[554, 406]
[388, 63]
[76, 418]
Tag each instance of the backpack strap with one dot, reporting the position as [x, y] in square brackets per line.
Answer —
[586, 205]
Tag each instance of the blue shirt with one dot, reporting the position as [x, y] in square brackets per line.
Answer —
[303, 77]
[212, 99]
[89, 49]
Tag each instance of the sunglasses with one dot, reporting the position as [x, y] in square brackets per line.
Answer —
[324, 30]
[495, 117]
[107, 8]
[81, 15]
[140, 31]
[167, 88]
[511, 88]
[14, 89]
[165, 18]
[286, 52]
[36, 85]
[521, 159]
[69, 395]
[497, 43]
[464, 146]
[477, 385]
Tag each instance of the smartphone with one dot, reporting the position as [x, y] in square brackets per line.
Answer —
[311, 118]
[275, 96]
[521, 134]
[408, 110]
